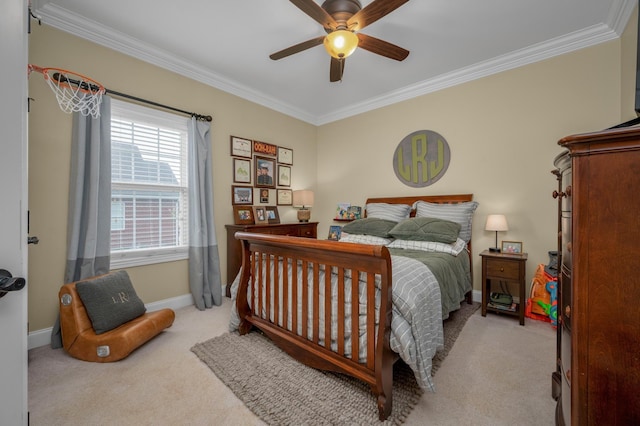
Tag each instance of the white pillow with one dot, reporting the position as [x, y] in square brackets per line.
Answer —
[454, 248]
[365, 239]
[394, 212]
[461, 213]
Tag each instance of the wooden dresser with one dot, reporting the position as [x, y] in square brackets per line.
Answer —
[599, 279]
[234, 249]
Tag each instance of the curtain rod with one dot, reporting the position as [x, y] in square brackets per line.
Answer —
[135, 98]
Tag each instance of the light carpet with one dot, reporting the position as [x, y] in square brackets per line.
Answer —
[281, 390]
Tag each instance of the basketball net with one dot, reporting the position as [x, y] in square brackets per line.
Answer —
[74, 92]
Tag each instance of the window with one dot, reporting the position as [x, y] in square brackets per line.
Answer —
[149, 186]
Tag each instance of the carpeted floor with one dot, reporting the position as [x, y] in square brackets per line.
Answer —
[282, 391]
[497, 373]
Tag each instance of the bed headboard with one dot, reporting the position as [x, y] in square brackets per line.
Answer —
[438, 199]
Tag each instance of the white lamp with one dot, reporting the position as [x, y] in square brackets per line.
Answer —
[303, 199]
[496, 222]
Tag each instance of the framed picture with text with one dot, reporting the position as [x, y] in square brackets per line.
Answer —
[284, 176]
[241, 170]
[285, 155]
[241, 147]
[284, 197]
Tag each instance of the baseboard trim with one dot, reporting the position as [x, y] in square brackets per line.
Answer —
[43, 337]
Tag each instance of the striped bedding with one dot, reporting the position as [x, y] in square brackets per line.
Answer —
[416, 326]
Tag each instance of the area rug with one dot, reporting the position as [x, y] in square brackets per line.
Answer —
[282, 391]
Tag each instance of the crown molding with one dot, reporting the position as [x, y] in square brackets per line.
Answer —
[77, 25]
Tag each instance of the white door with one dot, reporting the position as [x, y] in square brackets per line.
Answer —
[13, 210]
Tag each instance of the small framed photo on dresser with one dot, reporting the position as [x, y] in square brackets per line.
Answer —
[243, 215]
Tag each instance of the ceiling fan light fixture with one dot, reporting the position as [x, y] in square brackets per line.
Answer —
[341, 43]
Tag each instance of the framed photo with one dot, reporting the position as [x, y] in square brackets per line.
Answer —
[265, 169]
[285, 155]
[243, 215]
[284, 176]
[241, 170]
[241, 147]
[241, 195]
[334, 232]
[260, 215]
[512, 247]
[284, 197]
[272, 214]
[264, 195]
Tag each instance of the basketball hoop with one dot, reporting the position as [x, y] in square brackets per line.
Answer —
[74, 92]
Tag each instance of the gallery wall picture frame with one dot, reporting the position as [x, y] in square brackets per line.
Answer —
[260, 215]
[264, 195]
[243, 215]
[265, 171]
[264, 148]
[285, 155]
[241, 195]
[284, 175]
[512, 247]
[284, 197]
[272, 214]
[242, 170]
[241, 147]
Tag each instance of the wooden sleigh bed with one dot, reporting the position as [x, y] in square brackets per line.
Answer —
[270, 296]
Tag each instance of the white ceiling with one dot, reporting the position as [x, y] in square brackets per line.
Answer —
[226, 44]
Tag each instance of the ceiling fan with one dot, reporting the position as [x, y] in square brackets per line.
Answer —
[342, 20]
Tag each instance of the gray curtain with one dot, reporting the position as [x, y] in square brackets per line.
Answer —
[204, 264]
[89, 218]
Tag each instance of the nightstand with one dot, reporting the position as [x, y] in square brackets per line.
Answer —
[508, 268]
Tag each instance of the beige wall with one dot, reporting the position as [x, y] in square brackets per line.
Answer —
[49, 153]
[502, 131]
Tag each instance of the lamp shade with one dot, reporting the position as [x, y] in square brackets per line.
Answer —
[496, 222]
[340, 43]
[303, 198]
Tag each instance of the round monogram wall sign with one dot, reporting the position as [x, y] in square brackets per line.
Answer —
[421, 158]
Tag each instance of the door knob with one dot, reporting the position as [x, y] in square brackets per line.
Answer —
[10, 283]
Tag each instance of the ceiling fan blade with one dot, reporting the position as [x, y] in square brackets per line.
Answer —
[297, 48]
[312, 9]
[381, 47]
[372, 12]
[336, 70]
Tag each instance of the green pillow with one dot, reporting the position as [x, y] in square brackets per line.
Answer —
[110, 301]
[370, 226]
[426, 229]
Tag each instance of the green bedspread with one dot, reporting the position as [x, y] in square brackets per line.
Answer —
[452, 273]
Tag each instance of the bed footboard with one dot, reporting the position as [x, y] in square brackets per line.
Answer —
[301, 296]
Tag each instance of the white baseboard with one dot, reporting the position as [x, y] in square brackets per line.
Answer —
[43, 337]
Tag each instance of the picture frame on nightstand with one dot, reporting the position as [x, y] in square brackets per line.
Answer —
[512, 247]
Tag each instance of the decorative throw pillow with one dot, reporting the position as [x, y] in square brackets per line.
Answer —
[426, 229]
[370, 226]
[110, 301]
[394, 212]
[461, 213]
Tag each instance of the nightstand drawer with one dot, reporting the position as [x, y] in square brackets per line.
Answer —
[506, 269]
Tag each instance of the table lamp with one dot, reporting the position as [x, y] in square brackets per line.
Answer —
[496, 222]
[303, 199]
